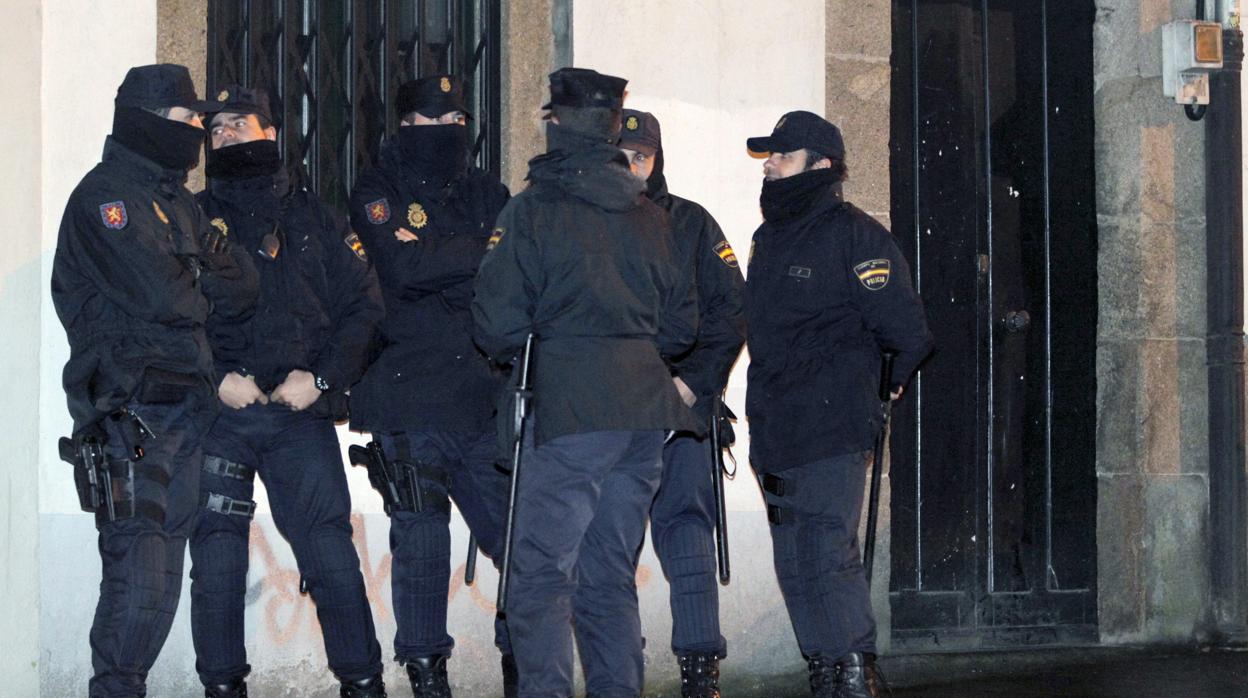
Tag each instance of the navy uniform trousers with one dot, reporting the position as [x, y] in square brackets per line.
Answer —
[455, 466]
[297, 456]
[814, 537]
[142, 555]
[682, 527]
[580, 517]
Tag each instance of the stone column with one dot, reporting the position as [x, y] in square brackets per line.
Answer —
[536, 39]
[1152, 385]
[182, 37]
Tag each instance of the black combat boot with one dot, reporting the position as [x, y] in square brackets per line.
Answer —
[372, 687]
[699, 674]
[822, 677]
[428, 675]
[856, 676]
[511, 677]
[231, 689]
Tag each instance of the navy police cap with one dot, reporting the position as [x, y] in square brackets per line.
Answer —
[158, 87]
[801, 129]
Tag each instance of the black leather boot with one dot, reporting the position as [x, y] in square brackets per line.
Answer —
[372, 687]
[856, 676]
[231, 689]
[822, 677]
[511, 677]
[428, 675]
[699, 674]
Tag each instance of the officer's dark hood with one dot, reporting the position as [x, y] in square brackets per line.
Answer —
[656, 183]
[587, 167]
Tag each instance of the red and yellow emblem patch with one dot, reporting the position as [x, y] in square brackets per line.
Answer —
[726, 255]
[378, 212]
[114, 215]
[873, 273]
[353, 241]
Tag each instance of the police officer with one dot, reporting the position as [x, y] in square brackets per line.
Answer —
[137, 273]
[586, 263]
[425, 215]
[283, 373]
[682, 518]
[827, 291]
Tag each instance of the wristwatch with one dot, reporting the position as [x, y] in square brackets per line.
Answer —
[320, 383]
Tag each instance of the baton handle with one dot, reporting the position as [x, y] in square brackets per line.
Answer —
[877, 462]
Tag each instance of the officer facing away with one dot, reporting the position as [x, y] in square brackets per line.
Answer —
[682, 518]
[424, 215]
[283, 376]
[586, 263]
[137, 274]
[827, 292]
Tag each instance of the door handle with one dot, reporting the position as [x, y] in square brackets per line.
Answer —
[1017, 321]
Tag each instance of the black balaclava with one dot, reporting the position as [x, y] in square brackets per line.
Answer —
[656, 183]
[244, 160]
[171, 144]
[437, 151]
[792, 197]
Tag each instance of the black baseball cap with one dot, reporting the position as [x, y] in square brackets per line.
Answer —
[639, 131]
[236, 99]
[431, 96]
[582, 87]
[158, 87]
[801, 129]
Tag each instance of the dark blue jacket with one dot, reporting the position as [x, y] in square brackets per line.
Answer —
[429, 374]
[133, 288]
[319, 303]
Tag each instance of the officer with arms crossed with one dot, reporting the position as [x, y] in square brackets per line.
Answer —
[585, 263]
[283, 376]
[425, 215]
[682, 518]
[827, 292]
[137, 273]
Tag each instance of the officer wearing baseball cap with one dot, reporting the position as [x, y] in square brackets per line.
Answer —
[682, 517]
[283, 376]
[585, 263]
[827, 292]
[424, 214]
[138, 274]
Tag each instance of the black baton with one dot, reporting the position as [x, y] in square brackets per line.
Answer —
[717, 485]
[520, 409]
[877, 461]
[470, 567]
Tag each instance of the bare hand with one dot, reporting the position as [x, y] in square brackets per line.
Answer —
[238, 391]
[405, 235]
[897, 393]
[298, 391]
[686, 395]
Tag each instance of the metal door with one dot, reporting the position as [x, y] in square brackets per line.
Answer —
[993, 465]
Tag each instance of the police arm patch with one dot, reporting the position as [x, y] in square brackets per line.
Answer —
[873, 273]
[378, 211]
[353, 241]
[724, 251]
[495, 237]
[113, 214]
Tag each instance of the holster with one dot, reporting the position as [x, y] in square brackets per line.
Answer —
[106, 486]
[397, 481]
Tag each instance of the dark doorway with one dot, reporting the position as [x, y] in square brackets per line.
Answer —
[334, 67]
[993, 200]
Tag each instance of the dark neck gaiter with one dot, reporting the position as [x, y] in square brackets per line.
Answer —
[168, 143]
[792, 197]
[439, 152]
[244, 160]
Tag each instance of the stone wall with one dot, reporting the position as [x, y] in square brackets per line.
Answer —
[1152, 405]
[182, 37]
[531, 50]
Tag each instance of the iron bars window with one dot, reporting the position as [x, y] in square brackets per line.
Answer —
[334, 67]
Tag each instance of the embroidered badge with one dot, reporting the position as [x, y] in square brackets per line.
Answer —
[378, 211]
[494, 239]
[445, 84]
[724, 250]
[353, 241]
[800, 272]
[160, 213]
[223, 95]
[114, 215]
[873, 273]
[219, 224]
[631, 124]
[416, 216]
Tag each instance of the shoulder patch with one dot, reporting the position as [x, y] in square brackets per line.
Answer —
[416, 216]
[724, 250]
[494, 239]
[114, 215]
[353, 241]
[873, 273]
[378, 211]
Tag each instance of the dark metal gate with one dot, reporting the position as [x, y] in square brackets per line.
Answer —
[334, 67]
[994, 486]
